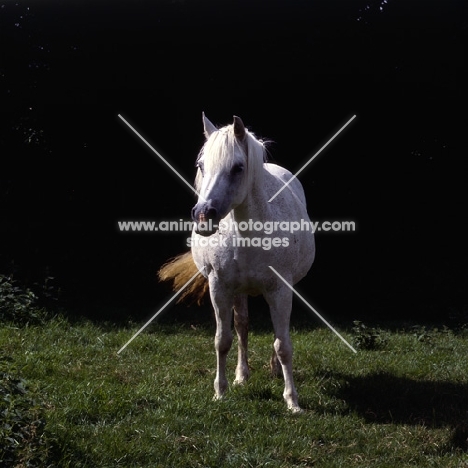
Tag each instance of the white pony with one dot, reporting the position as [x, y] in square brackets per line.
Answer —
[234, 253]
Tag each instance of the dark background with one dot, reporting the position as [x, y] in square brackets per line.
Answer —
[295, 71]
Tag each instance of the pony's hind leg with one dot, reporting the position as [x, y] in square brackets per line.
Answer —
[280, 302]
[275, 366]
[223, 338]
[241, 324]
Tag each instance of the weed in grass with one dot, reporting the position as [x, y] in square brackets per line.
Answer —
[424, 334]
[23, 441]
[368, 338]
[18, 306]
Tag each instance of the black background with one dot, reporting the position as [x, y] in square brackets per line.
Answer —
[295, 71]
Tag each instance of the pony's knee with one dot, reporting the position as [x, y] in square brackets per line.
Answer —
[223, 342]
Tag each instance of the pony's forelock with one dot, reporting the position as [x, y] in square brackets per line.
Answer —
[218, 150]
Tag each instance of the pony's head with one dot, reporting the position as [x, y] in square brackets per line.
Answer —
[229, 162]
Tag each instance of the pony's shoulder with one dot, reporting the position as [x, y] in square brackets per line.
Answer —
[278, 171]
[281, 176]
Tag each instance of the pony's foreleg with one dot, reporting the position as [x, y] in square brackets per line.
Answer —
[241, 323]
[223, 339]
[280, 302]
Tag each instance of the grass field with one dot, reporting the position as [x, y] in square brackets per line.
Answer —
[402, 404]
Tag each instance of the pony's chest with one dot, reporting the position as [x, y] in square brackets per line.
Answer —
[244, 271]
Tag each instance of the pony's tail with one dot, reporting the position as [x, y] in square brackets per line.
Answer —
[179, 270]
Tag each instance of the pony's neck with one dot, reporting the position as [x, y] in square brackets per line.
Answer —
[255, 206]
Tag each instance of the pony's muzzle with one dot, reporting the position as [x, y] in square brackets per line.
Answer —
[206, 222]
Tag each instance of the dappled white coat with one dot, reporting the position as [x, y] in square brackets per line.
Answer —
[235, 186]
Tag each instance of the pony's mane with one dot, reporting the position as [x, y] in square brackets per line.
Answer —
[218, 152]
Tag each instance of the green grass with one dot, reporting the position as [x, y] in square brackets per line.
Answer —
[403, 404]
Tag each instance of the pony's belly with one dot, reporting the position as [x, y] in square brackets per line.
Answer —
[249, 290]
[250, 284]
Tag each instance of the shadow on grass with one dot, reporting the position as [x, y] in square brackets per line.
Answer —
[387, 399]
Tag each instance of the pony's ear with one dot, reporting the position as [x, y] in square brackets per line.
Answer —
[208, 127]
[239, 129]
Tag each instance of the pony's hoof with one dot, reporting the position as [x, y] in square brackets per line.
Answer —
[295, 409]
[240, 381]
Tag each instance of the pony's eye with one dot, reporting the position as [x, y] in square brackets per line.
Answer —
[237, 168]
[200, 166]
